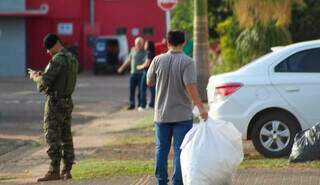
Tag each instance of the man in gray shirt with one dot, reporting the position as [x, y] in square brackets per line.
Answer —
[136, 57]
[174, 75]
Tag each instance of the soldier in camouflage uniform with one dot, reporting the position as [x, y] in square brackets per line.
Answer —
[58, 83]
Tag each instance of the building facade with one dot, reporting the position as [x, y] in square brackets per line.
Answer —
[12, 39]
[24, 23]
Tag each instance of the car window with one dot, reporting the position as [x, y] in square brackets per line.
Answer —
[307, 61]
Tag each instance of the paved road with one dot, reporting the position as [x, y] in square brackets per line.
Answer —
[21, 106]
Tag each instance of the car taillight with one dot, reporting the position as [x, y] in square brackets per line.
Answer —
[227, 89]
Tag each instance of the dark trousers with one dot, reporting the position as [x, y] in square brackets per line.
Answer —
[134, 83]
[143, 91]
[165, 132]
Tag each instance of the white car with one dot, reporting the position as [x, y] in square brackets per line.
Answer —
[272, 98]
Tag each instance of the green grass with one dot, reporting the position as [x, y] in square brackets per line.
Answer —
[132, 140]
[94, 168]
[144, 128]
[3, 178]
[275, 163]
[88, 169]
[99, 168]
[146, 124]
[38, 143]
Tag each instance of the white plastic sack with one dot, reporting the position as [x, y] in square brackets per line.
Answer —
[211, 153]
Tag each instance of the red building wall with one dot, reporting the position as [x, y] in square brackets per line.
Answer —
[109, 16]
[130, 14]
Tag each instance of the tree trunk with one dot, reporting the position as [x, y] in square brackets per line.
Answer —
[201, 46]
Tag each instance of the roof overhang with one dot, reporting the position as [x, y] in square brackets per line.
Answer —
[42, 11]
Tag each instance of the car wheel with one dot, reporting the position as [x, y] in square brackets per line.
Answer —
[273, 134]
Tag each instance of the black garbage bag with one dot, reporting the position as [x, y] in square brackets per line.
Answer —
[306, 146]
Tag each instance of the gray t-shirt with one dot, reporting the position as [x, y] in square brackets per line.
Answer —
[171, 72]
[137, 58]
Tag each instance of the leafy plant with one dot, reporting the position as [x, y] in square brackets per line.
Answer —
[251, 12]
[305, 17]
[256, 41]
[229, 32]
[182, 16]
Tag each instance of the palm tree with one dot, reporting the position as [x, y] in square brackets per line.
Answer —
[249, 12]
[201, 45]
[264, 24]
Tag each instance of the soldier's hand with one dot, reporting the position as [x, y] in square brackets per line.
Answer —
[33, 74]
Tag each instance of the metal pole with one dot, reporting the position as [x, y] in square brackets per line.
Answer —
[91, 12]
[168, 20]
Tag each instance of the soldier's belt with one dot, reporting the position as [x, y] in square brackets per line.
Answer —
[55, 94]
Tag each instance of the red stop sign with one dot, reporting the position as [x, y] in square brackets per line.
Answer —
[167, 5]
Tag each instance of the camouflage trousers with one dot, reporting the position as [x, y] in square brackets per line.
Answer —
[57, 128]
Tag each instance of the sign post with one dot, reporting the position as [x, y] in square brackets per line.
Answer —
[167, 6]
[168, 22]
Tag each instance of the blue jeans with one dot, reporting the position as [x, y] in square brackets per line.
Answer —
[165, 132]
[134, 83]
[143, 91]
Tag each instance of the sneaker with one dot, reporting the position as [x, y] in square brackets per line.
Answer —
[141, 109]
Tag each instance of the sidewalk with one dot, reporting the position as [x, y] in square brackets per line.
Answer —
[277, 177]
[243, 177]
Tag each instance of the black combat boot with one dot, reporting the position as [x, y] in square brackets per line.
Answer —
[66, 173]
[50, 176]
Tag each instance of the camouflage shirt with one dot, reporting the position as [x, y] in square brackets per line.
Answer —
[60, 74]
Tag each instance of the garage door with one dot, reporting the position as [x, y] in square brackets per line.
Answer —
[12, 47]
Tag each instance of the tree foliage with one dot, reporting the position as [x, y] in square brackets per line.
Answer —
[248, 29]
[182, 15]
[229, 32]
[305, 18]
[250, 12]
[255, 33]
[257, 40]
[263, 24]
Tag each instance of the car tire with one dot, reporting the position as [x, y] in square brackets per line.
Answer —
[273, 134]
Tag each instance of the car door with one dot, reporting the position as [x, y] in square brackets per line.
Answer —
[297, 79]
